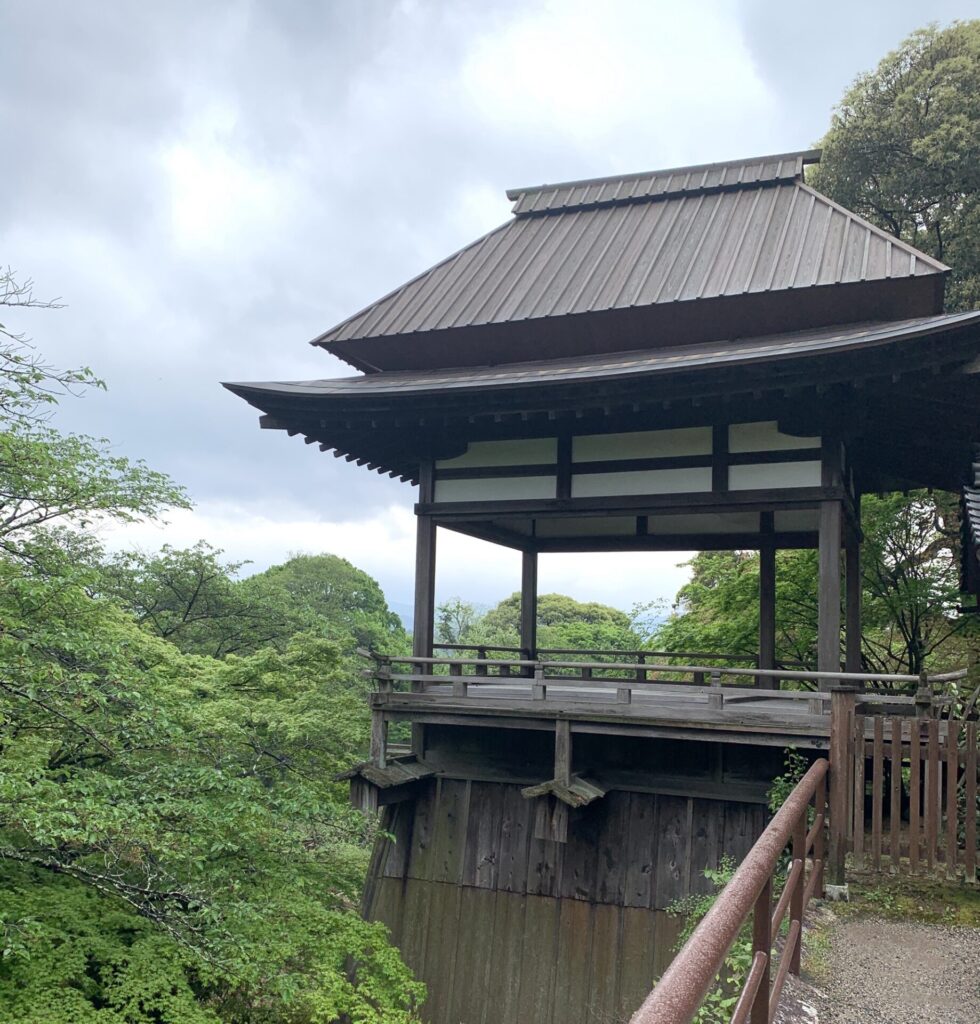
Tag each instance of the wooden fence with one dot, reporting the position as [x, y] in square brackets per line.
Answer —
[915, 793]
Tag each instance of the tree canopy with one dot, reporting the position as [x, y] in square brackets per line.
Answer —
[902, 150]
[172, 847]
[563, 622]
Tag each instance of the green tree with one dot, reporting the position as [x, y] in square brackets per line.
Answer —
[563, 622]
[909, 593]
[327, 588]
[192, 598]
[902, 150]
[171, 845]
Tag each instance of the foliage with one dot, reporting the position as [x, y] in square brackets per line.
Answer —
[327, 589]
[196, 793]
[563, 622]
[192, 598]
[172, 847]
[795, 766]
[196, 600]
[909, 582]
[902, 145]
[720, 1001]
[28, 385]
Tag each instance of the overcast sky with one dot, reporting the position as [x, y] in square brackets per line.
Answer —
[208, 185]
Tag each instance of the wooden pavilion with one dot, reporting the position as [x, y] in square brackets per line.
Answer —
[711, 357]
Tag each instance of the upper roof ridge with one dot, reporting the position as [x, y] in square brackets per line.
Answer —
[621, 188]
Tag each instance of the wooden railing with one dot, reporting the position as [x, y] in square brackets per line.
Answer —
[915, 790]
[484, 652]
[622, 679]
[691, 974]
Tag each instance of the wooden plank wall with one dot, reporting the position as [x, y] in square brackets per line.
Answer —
[508, 929]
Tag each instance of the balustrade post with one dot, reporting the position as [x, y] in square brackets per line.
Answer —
[796, 898]
[762, 943]
[538, 688]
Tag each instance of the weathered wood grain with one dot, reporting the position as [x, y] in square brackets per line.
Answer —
[641, 851]
[915, 795]
[895, 803]
[536, 991]
[673, 861]
[573, 968]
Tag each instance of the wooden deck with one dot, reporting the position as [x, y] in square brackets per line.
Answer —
[655, 710]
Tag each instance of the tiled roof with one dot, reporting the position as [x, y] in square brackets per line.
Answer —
[719, 230]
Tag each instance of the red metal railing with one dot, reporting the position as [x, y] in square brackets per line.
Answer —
[693, 971]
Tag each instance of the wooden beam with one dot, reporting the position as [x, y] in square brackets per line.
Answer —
[676, 542]
[828, 583]
[678, 504]
[529, 604]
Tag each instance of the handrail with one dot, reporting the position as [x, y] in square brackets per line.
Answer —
[634, 653]
[714, 671]
[688, 978]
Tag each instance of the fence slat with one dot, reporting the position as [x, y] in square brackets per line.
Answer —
[932, 792]
[877, 781]
[915, 795]
[858, 829]
[970, 765]
[895, 806]
[952, 777]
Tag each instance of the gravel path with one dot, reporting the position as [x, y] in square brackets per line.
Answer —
[888, 972]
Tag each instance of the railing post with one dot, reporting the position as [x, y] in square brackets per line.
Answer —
[716, 699]
[481, 654]
[842, 705]
[819, 808]
[538, 688]
[923, 697]
[762, 943]
[796, 899]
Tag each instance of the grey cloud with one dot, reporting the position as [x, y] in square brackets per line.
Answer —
[355, 110]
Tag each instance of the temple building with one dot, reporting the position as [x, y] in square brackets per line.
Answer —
[710, 357]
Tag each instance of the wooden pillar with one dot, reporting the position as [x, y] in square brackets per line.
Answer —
[529, 604]
[767, 602]
[852, 598]
[842, 709]
[828, 596]
[425, 587]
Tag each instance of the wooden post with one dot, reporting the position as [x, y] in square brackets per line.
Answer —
[425, 570]
[828, 598]
[423, 626]
[852, 612]
[563, 751]
[762, 943]
[841, 786]
[767, 607]
[379, 739]
[529, 604]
